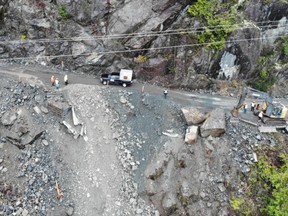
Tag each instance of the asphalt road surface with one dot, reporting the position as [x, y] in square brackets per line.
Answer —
[42, 74]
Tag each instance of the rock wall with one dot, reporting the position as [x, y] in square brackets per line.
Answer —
[94, 37]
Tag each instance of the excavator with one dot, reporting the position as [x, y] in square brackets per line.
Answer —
[275, 112]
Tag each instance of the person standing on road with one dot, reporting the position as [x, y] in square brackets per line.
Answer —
[260, 116]
[52, 79]
[57, 83]
[252, 106]
[66, 79]
[245, 108]
[165, 93]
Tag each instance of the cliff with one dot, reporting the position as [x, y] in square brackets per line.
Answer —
[188, 44]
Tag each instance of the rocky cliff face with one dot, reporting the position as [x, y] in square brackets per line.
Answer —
[158, 39]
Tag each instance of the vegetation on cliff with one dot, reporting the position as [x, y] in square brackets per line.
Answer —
[218, 22]
[265, 188]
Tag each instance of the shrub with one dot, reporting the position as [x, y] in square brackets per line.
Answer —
[140, 59]
[264, 74]
[275, 180]
[24, 36]
[62, 12]
[264, 82]
[219, 19]
[236, 203]
[265, 188]
[285, 46]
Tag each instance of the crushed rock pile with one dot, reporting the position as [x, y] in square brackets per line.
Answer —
[132, 158]
[28, 173]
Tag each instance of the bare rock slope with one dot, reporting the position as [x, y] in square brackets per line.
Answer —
[105, 150]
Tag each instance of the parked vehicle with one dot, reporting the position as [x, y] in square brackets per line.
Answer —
[124, 78]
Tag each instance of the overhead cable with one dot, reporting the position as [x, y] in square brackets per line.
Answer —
[136, 50]
[141, 34]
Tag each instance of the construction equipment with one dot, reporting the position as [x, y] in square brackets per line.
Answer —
[275, 112]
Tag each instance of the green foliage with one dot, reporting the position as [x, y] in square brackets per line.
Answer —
[141, 59]
[24, 36]
[264, 74]
[62, 12]
[171, 70]
[264, 60]
[201, 9]
[59, 35]
[219, 19]
[265, 188]
[268, 183]
[236, 203]
[285, 45]
[267, 1]
[264, 82]
[241, 205]
[275, 180]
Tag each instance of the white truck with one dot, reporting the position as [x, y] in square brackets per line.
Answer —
[124, 78]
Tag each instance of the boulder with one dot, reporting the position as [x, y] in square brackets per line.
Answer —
[169, 202]
[8, 118]
[37, 109]
[191, 134]
[193, 116]
[189, 190]
[44, 109]
[214, 125]
[151, 187]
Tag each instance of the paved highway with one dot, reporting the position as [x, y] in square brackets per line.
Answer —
[41, 75]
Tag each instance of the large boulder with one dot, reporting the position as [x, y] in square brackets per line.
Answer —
[214, 125]
[193, 116]
[191, 134]
[8, 118]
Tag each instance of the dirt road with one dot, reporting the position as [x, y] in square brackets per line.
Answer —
[42, 74]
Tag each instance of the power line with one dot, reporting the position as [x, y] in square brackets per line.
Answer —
[143, 34]
[136, 50]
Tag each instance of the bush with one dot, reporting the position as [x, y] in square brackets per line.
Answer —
[285, 46]
[24, 36]
[275, 180]
[267, 186]
[219, 19]
[264, 82]
[141, 59]
[62, 12]
[236, 203]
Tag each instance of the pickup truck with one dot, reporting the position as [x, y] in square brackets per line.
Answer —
[124, 78]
